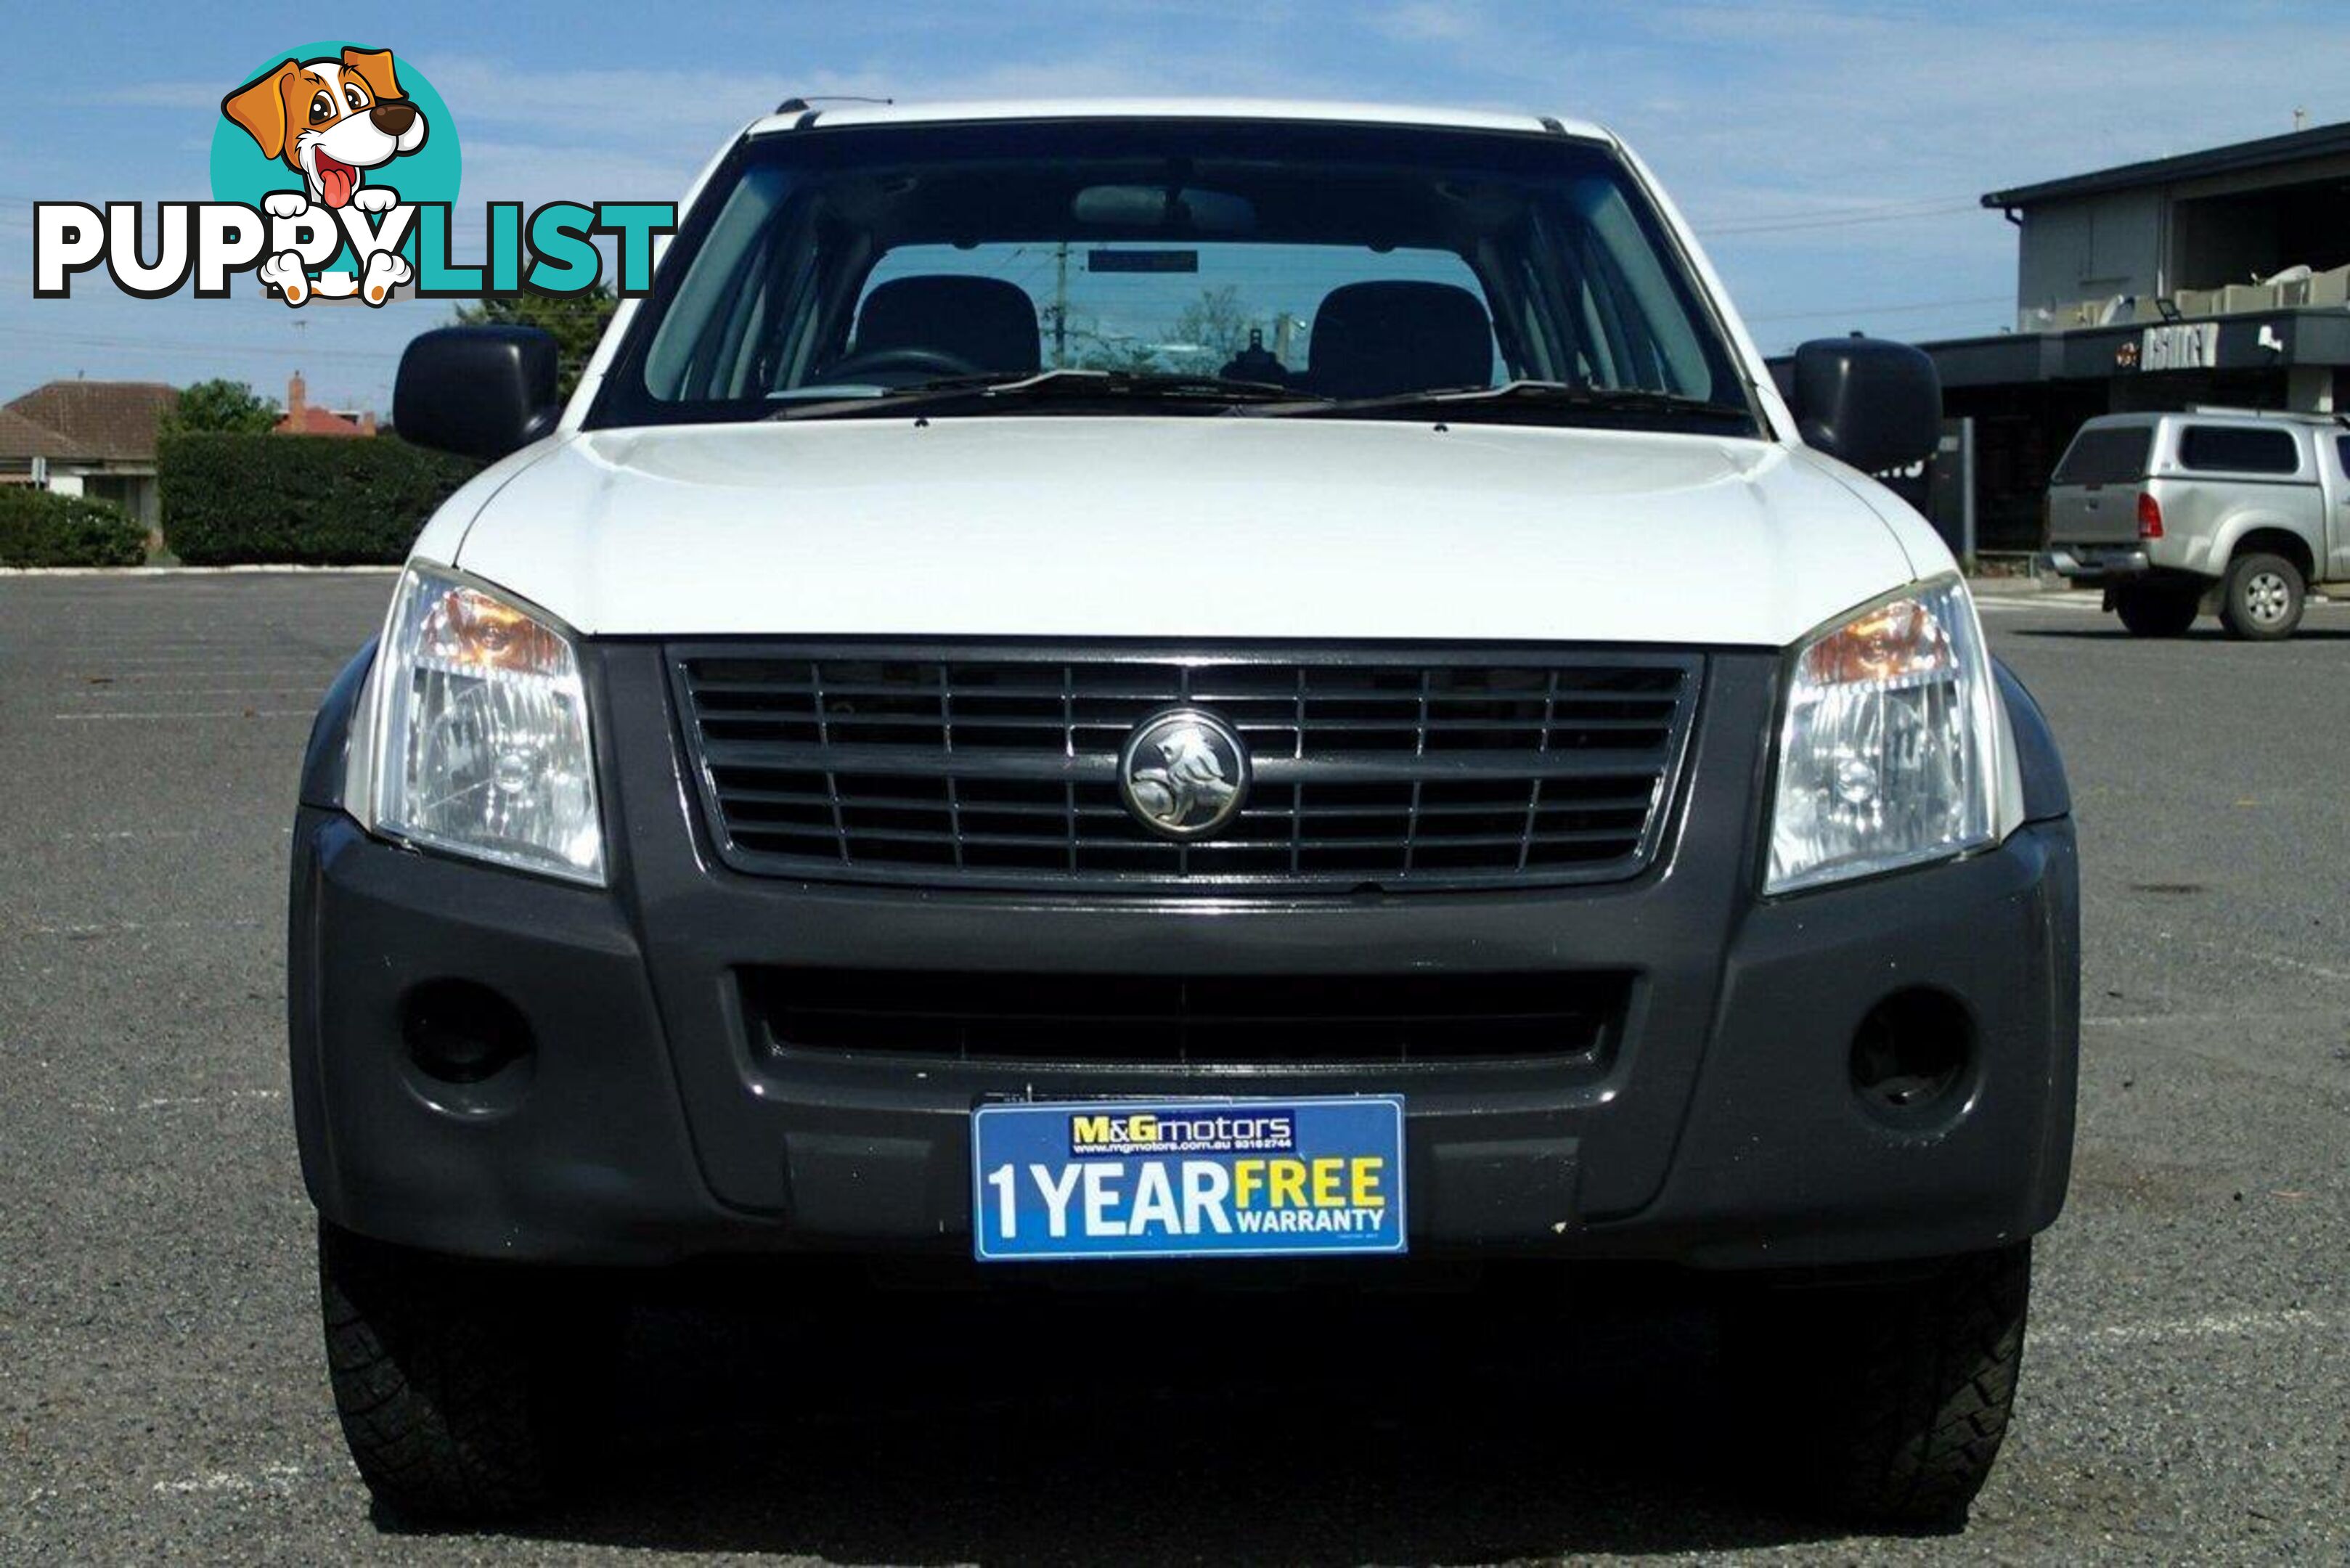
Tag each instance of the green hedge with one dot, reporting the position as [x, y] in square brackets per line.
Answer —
[41, 528]
[230, 500]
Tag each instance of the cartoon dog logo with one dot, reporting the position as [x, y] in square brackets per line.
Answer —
[330, 121]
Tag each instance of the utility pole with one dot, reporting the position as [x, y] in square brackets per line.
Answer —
[1061, 306]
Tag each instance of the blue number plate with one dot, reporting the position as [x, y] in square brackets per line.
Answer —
[1188, 1178]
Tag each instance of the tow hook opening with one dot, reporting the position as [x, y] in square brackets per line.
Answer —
[1912, 1054]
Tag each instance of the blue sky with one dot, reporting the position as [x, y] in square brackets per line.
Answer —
[1829, 154]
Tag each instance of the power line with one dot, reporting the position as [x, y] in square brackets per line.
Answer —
[1902, 309]
[186, 345]
[1845, 220]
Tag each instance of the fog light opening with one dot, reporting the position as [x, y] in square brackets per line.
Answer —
[460, 1031]
[1912, 1053]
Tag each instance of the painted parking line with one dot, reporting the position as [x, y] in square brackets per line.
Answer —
[85, 930]
[190, 682]
[2252, 1323]
[177, 1101]
[99, 676]
[128, 835]
[223, 713]
[193, 683]
[2196, 1020]
[152, 574]
[272, 698]
[119, 833]
[236, 648]
[106, 696]
[218, 687]
[98, 661]
[278, 1477]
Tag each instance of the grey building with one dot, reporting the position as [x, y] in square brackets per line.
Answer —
[2220, 276]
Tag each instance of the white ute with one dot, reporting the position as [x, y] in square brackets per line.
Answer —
[1094, 682]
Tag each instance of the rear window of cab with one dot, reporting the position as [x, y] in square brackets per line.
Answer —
[2107, 455]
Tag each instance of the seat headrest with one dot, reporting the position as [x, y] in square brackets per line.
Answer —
[1375, 339]
[986, 320]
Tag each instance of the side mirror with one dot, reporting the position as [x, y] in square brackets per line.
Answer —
[1875, 404]
[479, 391]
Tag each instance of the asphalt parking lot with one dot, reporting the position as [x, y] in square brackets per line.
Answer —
[2186, 1392]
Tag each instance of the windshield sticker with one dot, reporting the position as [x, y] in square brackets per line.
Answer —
[1142, 261]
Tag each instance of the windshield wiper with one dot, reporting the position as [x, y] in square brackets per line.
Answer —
[1265, 398]
[1566, 396]
[1051, 385]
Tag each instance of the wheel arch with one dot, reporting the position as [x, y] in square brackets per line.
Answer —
[2273, 535]
[2046, 792]
[330, 732]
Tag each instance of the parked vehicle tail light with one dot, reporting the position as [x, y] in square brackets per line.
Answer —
[2149, 516]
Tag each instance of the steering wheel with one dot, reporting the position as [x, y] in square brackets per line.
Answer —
[899, 367]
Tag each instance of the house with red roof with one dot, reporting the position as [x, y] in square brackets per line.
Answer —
[302, 416]
[88, 438]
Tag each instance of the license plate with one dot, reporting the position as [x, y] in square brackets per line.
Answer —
[1188, 1178]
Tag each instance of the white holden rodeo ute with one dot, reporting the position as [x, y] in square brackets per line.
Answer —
[1084, 684]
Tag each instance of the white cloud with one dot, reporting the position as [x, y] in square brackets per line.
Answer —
[1759, 118]
[1827, 116]
[1432, 21]
[157, 94]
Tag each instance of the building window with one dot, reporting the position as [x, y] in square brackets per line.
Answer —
[2232, 448]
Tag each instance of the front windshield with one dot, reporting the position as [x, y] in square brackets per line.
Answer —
[1202, 266]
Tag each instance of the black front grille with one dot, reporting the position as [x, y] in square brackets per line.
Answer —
[965, 765]
[1210, 1021]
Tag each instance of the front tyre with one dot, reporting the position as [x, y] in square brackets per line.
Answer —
[2262, 599]
[445, 1377]
[1891, 1396]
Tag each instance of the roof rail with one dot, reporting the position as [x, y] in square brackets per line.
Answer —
[2314, 415]
[798, 105]
[2290, 417]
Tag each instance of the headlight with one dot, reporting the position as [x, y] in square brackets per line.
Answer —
[1891, 744]
[479, 745]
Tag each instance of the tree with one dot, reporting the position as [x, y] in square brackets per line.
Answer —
[232, 406]
[1217, 322]
[576, 320]
[1106, 354]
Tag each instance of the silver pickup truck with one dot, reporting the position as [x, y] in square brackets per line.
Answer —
[2168, 511]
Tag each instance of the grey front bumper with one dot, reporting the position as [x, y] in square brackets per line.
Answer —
[1723, 1133]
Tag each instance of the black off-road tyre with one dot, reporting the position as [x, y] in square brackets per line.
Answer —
[1886, 1401]
[452, 1379]
[2157, 612]
[2262, 599]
